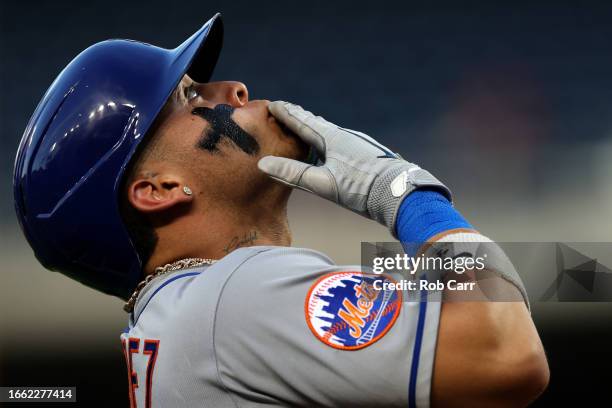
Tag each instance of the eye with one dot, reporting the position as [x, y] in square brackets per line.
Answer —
[191, 92]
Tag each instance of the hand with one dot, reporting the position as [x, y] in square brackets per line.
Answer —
[356, 172]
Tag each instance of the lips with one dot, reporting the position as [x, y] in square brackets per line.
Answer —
[286, 131]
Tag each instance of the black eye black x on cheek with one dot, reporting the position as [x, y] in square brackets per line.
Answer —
[222, 125]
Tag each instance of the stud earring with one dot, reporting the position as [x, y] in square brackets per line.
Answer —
[187, 191]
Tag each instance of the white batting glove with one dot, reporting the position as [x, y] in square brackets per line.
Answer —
[357, 172]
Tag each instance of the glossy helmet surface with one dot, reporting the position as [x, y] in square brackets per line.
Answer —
[78, 144]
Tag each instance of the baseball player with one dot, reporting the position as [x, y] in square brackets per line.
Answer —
[139, 178]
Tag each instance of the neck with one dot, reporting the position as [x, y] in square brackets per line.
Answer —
[219, 230]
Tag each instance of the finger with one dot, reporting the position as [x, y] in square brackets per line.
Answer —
[316, 180]
[304, 124]
[286, 170]
[368, 139]
[320, 181]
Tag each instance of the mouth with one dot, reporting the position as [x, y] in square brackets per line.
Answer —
[308, 154]
[284, 129]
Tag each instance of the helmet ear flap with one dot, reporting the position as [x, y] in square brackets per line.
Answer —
[79, 143]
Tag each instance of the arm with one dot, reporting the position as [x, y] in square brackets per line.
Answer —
[488, 353]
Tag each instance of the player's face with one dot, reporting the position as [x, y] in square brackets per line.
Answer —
[219, 135]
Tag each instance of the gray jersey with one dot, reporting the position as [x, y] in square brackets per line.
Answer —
[277, 326]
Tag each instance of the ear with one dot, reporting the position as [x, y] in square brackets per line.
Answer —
[157, 193]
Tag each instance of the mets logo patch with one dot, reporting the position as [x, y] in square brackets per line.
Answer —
[349, 310]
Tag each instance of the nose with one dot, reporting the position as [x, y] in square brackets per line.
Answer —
[232, 93]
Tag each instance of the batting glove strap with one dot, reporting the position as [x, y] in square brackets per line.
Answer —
[393, 185]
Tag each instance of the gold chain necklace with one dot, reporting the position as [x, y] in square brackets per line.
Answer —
[162, 270]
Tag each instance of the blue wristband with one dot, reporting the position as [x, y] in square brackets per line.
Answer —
[424, 214]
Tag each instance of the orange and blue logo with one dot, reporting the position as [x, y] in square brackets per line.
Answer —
[347, 311]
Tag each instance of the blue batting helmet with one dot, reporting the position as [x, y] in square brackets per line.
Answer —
[78, 144]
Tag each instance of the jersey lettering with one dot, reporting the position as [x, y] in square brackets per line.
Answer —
[150, 348]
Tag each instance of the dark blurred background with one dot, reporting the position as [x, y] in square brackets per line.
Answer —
[509, 104]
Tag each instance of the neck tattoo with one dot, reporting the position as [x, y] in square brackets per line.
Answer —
[222, 125]
[238, 241]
